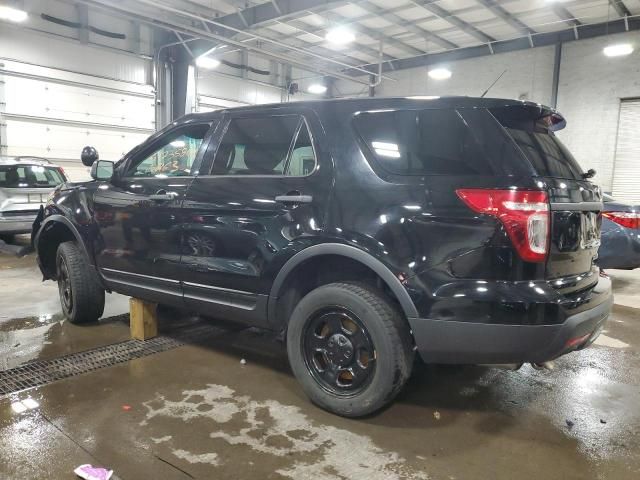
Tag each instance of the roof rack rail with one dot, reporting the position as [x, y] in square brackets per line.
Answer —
[23, 157]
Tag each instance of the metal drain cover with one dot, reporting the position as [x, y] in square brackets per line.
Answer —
[43, 372]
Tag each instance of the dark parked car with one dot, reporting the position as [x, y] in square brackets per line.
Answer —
[620, 235]
[363, 229]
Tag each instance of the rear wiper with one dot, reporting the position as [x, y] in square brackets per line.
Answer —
[589, 174]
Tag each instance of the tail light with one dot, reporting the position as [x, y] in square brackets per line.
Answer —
[524, 214]
[626, 219]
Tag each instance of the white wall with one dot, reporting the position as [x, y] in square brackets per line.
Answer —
[57, 96]
[591, 86]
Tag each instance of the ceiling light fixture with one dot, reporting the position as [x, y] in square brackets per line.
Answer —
[618, 50]
[340, 36]
[317, 88]
[440, 73]
[12, 14]
[207, 62]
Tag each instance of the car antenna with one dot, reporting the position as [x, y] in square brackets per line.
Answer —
[491, 86]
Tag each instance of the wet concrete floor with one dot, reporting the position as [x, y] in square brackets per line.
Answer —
[198, 412]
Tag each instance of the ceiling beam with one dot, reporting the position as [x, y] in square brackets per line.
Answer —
[447, 16]
[620, 8]
[566, 16]
[500, 12]
[407, 24]
[166, 17]
[541, 40]
[274, 10]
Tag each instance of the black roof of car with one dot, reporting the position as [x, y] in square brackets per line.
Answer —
[369, 103]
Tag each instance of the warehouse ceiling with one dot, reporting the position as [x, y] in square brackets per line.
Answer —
[403, 33]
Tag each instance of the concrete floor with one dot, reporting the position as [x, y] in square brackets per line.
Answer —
[198, 412]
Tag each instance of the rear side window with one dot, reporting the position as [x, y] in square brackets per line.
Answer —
[29, 176]
[423, 142]
[273, 145]
[531, 132]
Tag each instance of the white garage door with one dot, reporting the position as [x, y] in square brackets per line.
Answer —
[626, 169]
[51, 113]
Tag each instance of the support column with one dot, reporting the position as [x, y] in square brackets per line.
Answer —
[372, 89]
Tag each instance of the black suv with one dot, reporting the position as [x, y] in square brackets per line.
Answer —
[363, 229]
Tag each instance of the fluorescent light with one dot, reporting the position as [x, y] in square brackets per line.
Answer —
[317, 88]
[12, 14]
[618, 50]
[340, 36]
[440, 73]
[207, 62]
[178, 143]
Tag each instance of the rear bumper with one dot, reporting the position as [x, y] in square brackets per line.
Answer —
[451, 341]
[16, 224]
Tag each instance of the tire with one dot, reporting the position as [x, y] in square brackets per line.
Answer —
[7, 237]
[81, 296]
[359, 375]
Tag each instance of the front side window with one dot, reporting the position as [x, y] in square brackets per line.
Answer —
[29, 176]
[275, 145]
[173, 157]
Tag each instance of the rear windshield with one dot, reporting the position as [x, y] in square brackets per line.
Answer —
[438, 142]
[548, 156]
[29, 176]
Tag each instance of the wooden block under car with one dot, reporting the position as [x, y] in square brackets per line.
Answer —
[143, 319]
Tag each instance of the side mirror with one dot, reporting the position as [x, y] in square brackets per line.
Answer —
[102, 170]
[88, 156]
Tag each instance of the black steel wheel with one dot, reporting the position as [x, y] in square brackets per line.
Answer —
[81, 296]
[350, 348]
[338, 351]
[64, 286]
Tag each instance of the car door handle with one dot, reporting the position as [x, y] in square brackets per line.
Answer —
[294, 198]
[162, 195]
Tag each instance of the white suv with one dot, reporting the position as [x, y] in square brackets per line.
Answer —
[25, 184]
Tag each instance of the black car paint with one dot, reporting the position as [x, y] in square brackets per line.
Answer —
[447, 266]
[620, 245]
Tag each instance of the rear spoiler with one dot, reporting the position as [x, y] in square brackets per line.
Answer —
[546, 117]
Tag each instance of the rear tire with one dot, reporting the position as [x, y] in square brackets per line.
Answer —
[81, 296]
[350, 348]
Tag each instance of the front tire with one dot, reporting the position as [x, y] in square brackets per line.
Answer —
[81, 296]
[350, 348]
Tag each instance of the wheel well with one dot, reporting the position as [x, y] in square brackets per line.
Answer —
[53, 234]
[321, 270]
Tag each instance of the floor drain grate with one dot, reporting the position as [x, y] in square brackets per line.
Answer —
[43, 372]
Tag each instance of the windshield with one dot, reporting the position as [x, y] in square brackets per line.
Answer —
[29, 176]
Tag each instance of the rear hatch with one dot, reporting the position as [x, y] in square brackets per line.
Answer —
[575, 202]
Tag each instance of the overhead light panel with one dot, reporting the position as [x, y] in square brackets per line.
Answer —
[618, 50]
[340, 36]
[12, 14]
[440, 73]
[207, 62]
[317, 88]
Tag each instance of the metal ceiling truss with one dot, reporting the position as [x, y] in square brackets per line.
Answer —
[620, 8]
[171, 20]
[509, 19]
[522, 43]
[446, 15]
